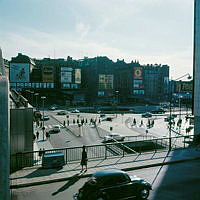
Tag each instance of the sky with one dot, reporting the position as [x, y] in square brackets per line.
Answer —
[149, 31]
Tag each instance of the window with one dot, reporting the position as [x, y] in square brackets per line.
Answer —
[139, 92]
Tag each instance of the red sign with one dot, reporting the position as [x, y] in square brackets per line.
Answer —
[137, 73]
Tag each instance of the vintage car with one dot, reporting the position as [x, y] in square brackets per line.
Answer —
[114, 184]
[112, 137]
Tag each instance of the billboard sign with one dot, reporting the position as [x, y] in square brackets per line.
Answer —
[48, 74]
[78, 76]
[137, 73]
[105, 81]
[19, 72]
[66, 75]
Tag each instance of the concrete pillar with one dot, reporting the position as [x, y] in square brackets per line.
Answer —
[4, 134]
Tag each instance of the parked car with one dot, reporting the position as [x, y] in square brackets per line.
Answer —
[62, 112]
[102, 115]
[56, 128]
[158, 111]
[46, 117]
[75, 111]
[112, 137]
[52, 108]
[147, 114]
[114, 184]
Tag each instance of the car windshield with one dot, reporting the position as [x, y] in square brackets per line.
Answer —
[113, 135]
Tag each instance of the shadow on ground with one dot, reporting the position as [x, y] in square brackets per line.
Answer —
[42, 172]
[71, 182]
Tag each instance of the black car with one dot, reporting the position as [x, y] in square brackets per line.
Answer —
[158, 111]
[112, 184]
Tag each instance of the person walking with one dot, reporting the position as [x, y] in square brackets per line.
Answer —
[37, 135]
[84, 159]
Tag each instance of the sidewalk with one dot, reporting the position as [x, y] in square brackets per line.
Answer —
[36, 176]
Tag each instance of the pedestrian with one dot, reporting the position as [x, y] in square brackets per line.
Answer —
[37, 135]
[74, 121]
[34, 137]
[64, 123]
[47, 135]
[84, 159]
[40, 153]
[67, 122]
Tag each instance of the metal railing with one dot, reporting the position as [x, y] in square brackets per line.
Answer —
[102, 151]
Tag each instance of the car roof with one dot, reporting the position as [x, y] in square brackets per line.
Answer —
[114, 134]
[107, 172]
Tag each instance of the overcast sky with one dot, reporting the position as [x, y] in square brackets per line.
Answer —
[150, 31]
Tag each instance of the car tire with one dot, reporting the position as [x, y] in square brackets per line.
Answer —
[143, 194]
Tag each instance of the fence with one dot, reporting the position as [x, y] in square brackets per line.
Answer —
[102, 151]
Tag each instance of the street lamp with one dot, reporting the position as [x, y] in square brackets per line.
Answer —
[187, 102]
[32, 93]
[43, 98]
[36, 102]
[180, 97]
[170, 108]
[117, 99]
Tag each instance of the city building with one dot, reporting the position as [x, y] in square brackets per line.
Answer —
[98, 80]
[142, 84]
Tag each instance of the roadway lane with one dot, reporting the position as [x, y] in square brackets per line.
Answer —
[89, 135]
[177, 181]
[65, 138]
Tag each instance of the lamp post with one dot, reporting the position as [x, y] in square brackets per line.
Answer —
[180, 121]
[117, 99]
[36, 102]
[43, 98]
[170, 108]
[187, 102]
[32, 93]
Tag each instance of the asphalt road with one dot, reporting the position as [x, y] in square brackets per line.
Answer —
[89, 134]
[173, 182]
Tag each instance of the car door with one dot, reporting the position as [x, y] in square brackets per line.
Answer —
[125, 186]
[111, 189]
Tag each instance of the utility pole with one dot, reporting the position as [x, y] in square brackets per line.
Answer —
[43, 128]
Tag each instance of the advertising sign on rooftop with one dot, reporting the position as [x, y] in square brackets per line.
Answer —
[78, 76]
[19, 72]
[137, 73]
[105, 81]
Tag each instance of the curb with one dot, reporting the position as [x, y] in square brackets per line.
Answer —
[88, 175]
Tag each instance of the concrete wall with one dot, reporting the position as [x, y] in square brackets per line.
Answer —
[21, 130]
[4, 133]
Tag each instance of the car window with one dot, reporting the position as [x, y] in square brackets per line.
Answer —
[114, 180]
